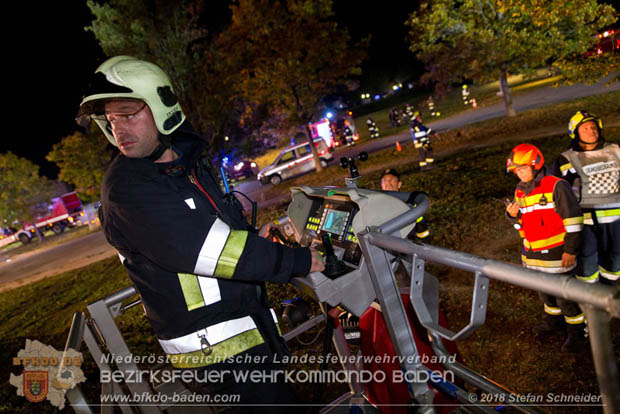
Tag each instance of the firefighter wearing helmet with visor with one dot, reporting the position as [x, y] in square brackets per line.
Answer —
[197, 264]
[592, 167]
[548, 218]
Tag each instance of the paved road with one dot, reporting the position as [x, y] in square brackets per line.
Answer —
[91, 248]
[45, 262]
[534, 99]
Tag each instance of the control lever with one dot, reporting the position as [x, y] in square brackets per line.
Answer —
[333, 267]
[281, 238]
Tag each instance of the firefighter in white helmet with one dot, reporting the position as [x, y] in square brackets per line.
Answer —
[592, 167]
[198, 266]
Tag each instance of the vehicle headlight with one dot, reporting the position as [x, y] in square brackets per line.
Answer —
[253, 165]
[239, 166]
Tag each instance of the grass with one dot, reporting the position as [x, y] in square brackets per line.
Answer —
[452, 103]
[545, 120]
[466, 190]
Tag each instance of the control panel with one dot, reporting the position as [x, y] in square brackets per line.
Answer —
[330, 219]
[335, 219]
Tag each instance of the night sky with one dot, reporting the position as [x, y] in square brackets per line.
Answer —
[51, 56]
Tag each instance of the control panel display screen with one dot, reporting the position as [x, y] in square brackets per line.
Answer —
[335, 221]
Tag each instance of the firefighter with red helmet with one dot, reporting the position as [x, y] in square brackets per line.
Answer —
[592, 167]
[548, 217]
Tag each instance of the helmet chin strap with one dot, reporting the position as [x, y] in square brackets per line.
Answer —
[598, 140]
[164, 143]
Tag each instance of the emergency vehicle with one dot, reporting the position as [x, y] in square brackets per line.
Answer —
[608, 42]
[7, 236]
[64, 211]
[332, 129]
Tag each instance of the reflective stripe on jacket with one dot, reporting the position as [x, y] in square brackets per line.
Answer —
[190, 253]
[549, 220]
[542, 226]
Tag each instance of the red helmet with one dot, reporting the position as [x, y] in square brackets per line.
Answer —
[525, 154]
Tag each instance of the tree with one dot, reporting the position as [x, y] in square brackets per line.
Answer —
[171, 35]
[489, 39]
[82, 161]
[21, 188]
[290, 55]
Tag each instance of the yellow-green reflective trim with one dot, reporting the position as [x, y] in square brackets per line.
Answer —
[220, 352]
[566, 167]
[602, 213]
[229, 258]
[191, 290]
[573, 220]
[419, 219]
[574, 320]
[552, 311]
[609, 272]
[608, 213]
[589, 279]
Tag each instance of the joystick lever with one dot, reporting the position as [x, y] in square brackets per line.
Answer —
[333, 267]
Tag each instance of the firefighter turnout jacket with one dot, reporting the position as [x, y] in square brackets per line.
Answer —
[420, 133]
[595, 179]
[549, 221]
[188, 249]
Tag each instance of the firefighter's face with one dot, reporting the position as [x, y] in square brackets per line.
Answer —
[390, 182]
[133, 127]
[588, 134]
[525, 173]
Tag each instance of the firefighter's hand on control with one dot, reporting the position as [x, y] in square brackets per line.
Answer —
[317, 261]
[266, 229]
[512, 209]
[568, 260]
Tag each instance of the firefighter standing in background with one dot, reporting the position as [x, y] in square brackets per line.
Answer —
[421, 136]
[198, 266]
[548, 217]
[348, 135]
[592, 167]
[408, 113]
[394, 119]
[465, 93]
[431, 107]
[390, 181]
[373, 130]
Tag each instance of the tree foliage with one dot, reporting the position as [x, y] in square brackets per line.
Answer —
[166, 33]
[270, 67]
[82, 161]
[485, 40]
[21, 188]
[291, 54]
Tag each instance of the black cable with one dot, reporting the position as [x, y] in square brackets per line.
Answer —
[254, 207]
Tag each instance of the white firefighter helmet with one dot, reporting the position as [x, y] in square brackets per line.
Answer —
[125, 77]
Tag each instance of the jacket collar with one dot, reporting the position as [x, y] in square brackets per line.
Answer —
[529, 186]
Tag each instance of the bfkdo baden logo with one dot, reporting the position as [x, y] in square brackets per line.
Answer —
[47, 373]
[35, 385]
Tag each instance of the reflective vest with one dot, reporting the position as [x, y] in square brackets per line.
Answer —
[542, 227]
[599, 176]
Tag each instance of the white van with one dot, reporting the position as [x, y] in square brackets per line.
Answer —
[294, 160]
